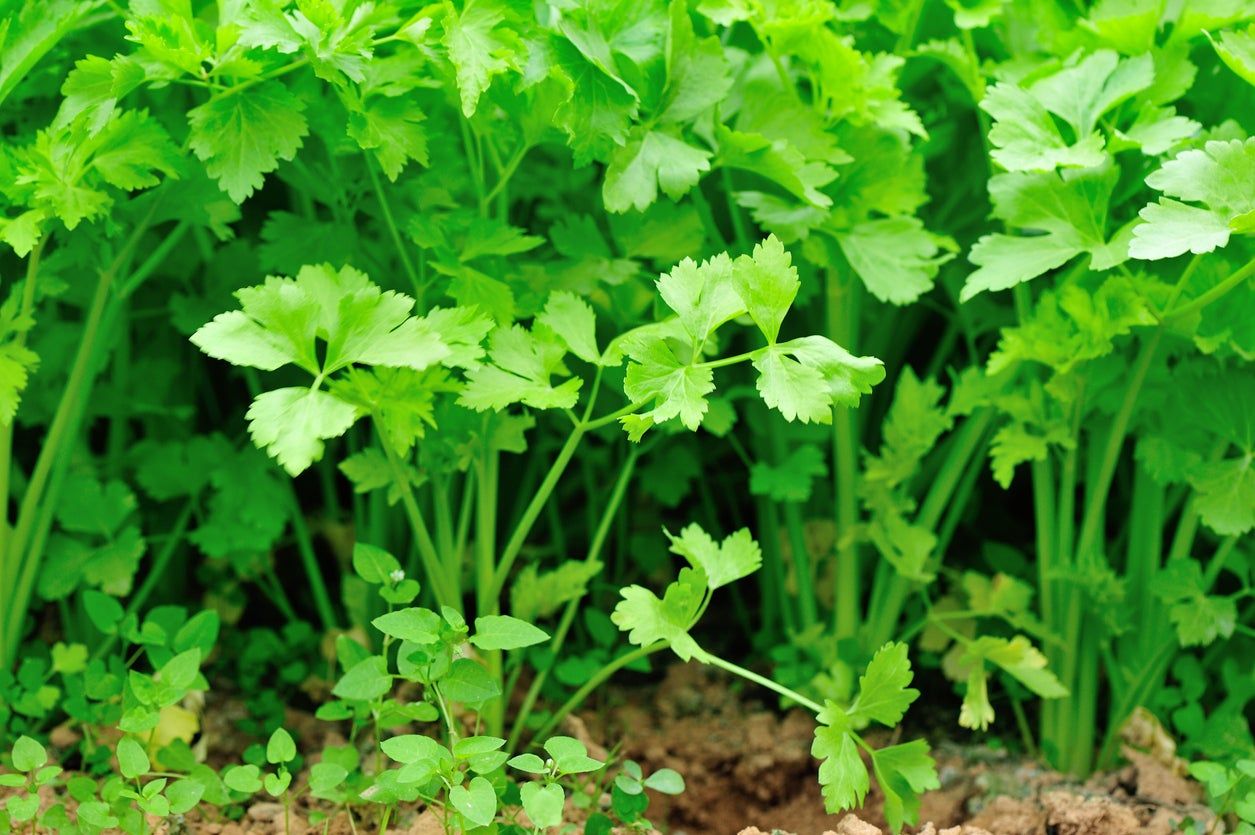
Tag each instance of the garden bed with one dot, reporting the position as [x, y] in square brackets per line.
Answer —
[748, 770]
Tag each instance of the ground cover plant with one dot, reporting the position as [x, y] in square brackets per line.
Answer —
[430, 367]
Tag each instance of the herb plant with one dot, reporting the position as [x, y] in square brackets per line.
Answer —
[381, 337]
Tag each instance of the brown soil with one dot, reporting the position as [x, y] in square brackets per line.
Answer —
[748, 770]
[746, 766]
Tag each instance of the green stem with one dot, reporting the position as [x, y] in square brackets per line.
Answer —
[808, 608]
[394, 233]
[843, 315]
[568, 615]
[750, 675]
[1096, 493]
[426, 548]
[1144, 556]
[156, 571]
[21, 564]
[594, 681]
[968, 441]
[25, 312]
[515, 544]
[309, 560]
[486, 602]
[1215, 293]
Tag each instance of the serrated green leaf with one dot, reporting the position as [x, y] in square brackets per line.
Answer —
[722, 563]
[883, 691]
[242, 137]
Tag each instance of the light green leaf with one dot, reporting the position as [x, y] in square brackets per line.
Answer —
[897, 258]
[476, 801]
[767, 283]
[480, 49]
[1025, 137]
[522, 364]
[648, 620]
[16, 364]
[650, 161]
[904, 772]
[805, 377]
[1022, 661]
[976, 712]
[543, 803]
[676, 390]
[842, 775]
[1237, 50]
[242, 137]
[570, 755]
[702, 296]
[415, 624]
[392, 129]
[1005, 261]
[132, 760]
[777, 161]
[572, 319]
[722, 563]
[365, 681]
[280, 748]
[883, 691]
[243, 778]
[292, 423]
[494, 632]
[29, 755]
[469, 683]
[1220, 175]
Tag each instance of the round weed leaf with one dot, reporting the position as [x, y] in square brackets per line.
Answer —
[243, 778]
[543, 803]
[184, 795]
[132, 759]
[476, 801]
[28, 754]
[665, 780]
[280, 748]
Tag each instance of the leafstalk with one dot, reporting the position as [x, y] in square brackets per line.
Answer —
[843, 314]
[609, 512]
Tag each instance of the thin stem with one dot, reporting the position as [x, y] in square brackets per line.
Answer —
[426, 548]
[1091, 525]
[750, 675]
[507, 172]
[21, 564]
[309, 560]
[1215, 293]
[594, 681]
[487, 603]
[568, 615]
[156, 571]
[515, 544]
[605, 420]
[393, 232]
[154, 260]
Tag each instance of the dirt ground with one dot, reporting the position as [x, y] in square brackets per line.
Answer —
[748, 771]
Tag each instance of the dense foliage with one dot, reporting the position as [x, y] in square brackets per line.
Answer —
[385, 357]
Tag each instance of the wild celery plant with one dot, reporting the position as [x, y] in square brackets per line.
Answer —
[1081, 124]
[1125, 384]
[144, 127]
[404, 371]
